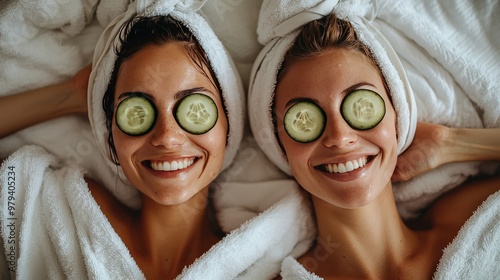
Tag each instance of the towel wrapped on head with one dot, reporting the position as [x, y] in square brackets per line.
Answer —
[184, 11]
[279, 25]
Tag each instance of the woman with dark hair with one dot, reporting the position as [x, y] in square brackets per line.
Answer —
[166, 105]
[168, 130]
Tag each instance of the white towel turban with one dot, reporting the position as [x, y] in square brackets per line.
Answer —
[278, 26]
[184, 11]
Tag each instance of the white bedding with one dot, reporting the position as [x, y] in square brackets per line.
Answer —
[46, 235]
[451, 51]
[43, 42]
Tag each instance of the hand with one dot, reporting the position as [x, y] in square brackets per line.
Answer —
[79, 82]
[425, 152]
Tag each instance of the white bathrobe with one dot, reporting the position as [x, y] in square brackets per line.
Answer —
[52, 228]
[473, 254]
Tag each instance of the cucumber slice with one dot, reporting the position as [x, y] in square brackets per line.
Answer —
[304, 122]
[135, 115]
[363, 109]
[196, 113]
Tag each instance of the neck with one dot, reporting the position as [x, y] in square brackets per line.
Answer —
[368, 239]
[174, 236]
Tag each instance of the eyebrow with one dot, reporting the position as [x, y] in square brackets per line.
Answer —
[183, 93]
[355, 87]
[344, 93]
[300, 99]
[178, 95]
[135, 93]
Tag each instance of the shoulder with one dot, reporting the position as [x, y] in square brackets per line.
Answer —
[454, 208]
[112, 208]
[292, 269]
[99, 192]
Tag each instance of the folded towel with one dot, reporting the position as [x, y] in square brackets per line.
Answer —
[278, 26]
[279, 227]
[47, 41]
[43, 43]
[450, 52]
[47, 234]
[186, 12]
[235, 23]
[473, 254]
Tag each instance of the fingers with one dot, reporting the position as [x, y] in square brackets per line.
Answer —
[423, 154]
[409, 167]
[418, 159]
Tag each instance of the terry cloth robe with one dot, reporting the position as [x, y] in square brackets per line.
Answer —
[52, 228]
[473, 254]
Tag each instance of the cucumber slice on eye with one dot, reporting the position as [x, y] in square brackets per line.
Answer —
[304, 122]
[196, 113]
[363, 109]
[135, 115]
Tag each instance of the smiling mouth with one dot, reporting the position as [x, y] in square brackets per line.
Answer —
[344, 167]
[171, 165]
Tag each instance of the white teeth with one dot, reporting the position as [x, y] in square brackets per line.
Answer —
[172, 166]
[349, 166]
[342, 168]
[346, 166]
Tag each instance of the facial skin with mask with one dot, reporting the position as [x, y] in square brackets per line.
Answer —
[346, 168]
[339, 144]
[168, 133]
[165, 75]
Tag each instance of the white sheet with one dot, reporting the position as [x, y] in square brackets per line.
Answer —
[451, 51]
[47, 233]
[35, 51]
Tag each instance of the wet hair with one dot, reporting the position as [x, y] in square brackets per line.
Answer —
[319, 36]
[144, 31]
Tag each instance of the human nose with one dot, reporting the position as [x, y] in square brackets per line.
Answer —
[167, 133]
[338, 133]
